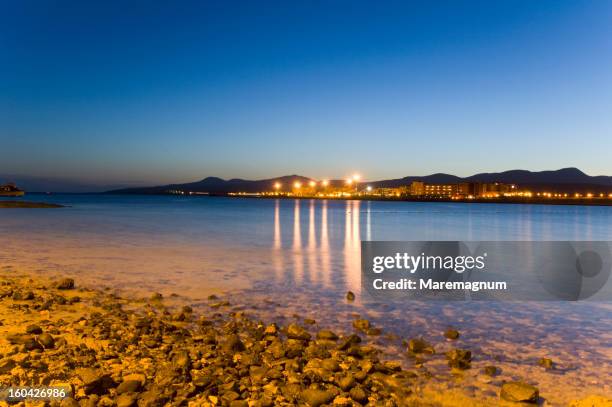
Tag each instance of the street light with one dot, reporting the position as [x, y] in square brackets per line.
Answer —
[297, 184]
[325, 182]
[349, 181]
[369, 188]
[312, 183]
[356, 177]
[277, 185]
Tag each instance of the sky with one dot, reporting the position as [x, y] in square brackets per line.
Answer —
[150, 92]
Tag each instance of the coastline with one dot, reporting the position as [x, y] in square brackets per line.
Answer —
[133, 350]
[8, 204]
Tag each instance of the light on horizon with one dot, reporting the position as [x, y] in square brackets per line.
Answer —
[349, 181]
[369, 188]
[356, 177]
[277, 185]
[297, 184]
[312, 183]
[325, 182]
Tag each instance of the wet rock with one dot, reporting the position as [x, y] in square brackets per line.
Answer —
[31, 345]
[127, 400]
[157, 297]
[361, 324]
[95, 381]
[65, 284]
[374, 332]
[129, 386]
[350, 296]
[359, 395]
[346, 383]
[490, 370]
[46, 341]
[419, 345]
[459, 358]
[271, 329]
[295, 331]
[348, 341]
[327, 335]
[546, 363]
[451, 334]
[519, 392]
[309, 321]
[233, 344]
[316, 397]
[34, 330]
[6, 365]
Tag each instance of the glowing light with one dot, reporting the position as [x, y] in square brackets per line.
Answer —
[312, 183]
[277, 185]
[297, 184]
[325, 182]
[369, 188]
[356, 177]
[349, 181]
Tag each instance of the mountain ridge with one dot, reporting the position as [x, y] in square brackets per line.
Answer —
[568, 179]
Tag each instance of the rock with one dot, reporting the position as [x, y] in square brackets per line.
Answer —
[233, 344]
[46, 341]
[419, 345]
[127, 400]
[348, 341]
[451, 334]
[519, 392]
[31, 345]
[459, 358]
[327, 335]
[309, 321]
[546, 363]
[316, 397]
[490, 370]
[346, 383]
[94, 381]
[350, 296]
[129, 386]
[271, 329]
[157, 297]
[69, 402]
[359, 395]
[65, 284]
[295, 331]
[6, 365]
[361, 324]
[34, 330]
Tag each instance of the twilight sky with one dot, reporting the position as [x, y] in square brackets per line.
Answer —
[163, 91]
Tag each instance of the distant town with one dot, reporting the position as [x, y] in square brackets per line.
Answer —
[352, 188]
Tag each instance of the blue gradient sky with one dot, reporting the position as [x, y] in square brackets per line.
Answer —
[176, 91]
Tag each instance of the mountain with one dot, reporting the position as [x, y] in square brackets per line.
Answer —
[565, 180]
[214, 185]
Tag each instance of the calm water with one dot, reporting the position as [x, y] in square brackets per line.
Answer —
[301, 256]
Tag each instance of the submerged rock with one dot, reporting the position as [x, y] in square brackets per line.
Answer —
[451, 334]
[519, 392]
[546, 363]
[459, 358]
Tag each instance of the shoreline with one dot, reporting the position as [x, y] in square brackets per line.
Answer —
[9, 204]
[175, 352]
[508, 201]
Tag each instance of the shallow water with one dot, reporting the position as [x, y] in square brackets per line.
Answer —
[304, 255]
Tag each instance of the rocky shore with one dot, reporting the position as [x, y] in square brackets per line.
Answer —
[113, 351]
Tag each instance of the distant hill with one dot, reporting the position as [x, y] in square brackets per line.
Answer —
[214, 185]
[566, 180]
